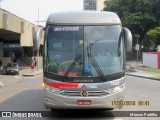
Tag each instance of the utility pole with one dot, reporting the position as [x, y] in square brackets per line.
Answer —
[38, 45]
[137, 47]
[37, 50]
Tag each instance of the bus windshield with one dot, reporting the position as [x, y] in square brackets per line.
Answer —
[75, 51]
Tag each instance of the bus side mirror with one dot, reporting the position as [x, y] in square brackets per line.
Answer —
[127, 39]
[37, 37]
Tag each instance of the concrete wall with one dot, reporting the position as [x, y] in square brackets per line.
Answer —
[100, 5]
[1, 14]
[13, 23]
[27, 36]
[151, 59]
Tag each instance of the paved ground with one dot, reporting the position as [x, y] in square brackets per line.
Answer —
[27, 95]
[142, 71]
[9, 80]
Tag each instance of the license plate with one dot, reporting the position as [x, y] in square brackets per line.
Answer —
[83, 102]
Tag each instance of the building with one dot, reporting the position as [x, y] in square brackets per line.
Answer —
[16, 37]
[93, 5]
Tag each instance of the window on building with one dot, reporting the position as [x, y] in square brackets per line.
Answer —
[12, 47]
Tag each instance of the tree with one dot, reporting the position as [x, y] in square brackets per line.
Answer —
[138, 15]
[154, 33]
[152, 38]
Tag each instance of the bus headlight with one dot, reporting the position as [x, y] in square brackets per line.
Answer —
[115, 89]
[52, 89]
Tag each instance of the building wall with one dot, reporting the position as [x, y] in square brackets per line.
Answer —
[1, 14]
[89, 5]
[26, 34]
[13, 23]
[93, 5]
[100, 5]
[25, 29]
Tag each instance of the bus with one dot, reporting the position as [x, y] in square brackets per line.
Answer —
[84, 60]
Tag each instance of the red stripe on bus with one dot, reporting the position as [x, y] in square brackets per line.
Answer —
[83, 86]
[62, 85]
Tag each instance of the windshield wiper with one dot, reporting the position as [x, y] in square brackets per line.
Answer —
[94, 63]
[98, 69]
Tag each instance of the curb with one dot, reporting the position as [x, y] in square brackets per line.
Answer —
[1, 84]
[28, 75]
[31, 75]
[158, 79]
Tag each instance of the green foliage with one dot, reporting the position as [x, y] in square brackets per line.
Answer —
[148, 42]
[151, 38]
[153, 70]
[154, 34]
[138, 15]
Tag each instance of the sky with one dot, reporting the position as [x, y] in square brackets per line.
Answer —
[28, 9]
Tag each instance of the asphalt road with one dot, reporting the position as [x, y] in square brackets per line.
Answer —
[27, 95]
[140, 89]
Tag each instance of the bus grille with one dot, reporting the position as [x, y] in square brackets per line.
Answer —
[79, 93]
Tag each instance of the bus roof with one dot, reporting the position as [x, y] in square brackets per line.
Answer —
[83, 18]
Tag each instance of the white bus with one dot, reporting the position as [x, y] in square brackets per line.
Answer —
[84, 60]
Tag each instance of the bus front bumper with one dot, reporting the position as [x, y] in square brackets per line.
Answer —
[56, 101]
